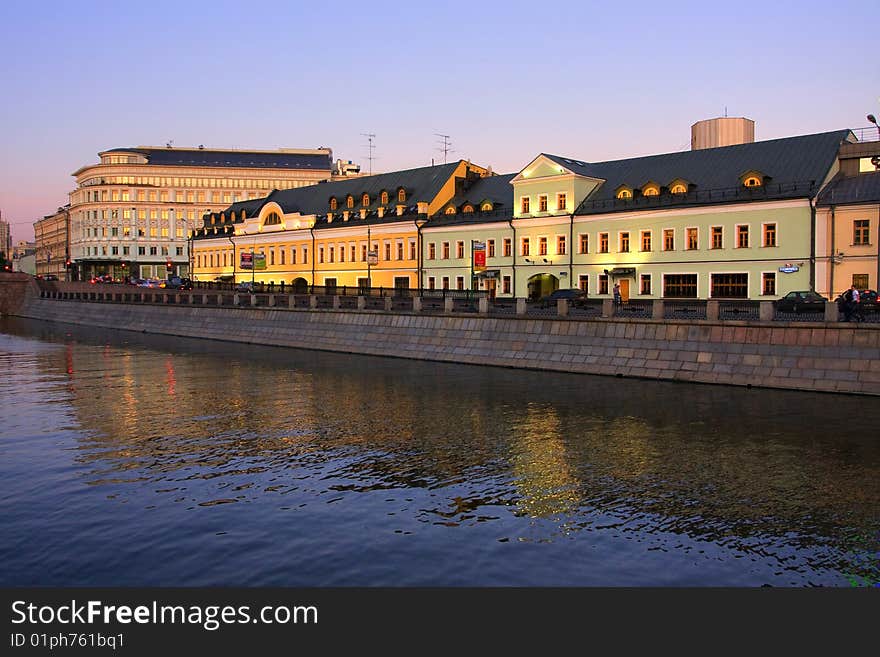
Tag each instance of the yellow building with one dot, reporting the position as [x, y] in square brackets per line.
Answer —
[362, 232]
[51, 234]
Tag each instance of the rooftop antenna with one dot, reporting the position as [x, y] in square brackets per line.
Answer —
[169, 143]
[725, 111]
[445, 145]
[370, 146]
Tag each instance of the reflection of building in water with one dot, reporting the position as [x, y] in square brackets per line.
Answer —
[542, 474]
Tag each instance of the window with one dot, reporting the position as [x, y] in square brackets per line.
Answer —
[860, 281]
[164, 231]
[365, 200]
[125, 250]
[524, 205]
[432, 251]
[330, 285]
[542, 203]
[645, 284]
[293, 255]
[770, 235]
[272, 256]
[114, 232]
[584, 282]
[153, 232]
[412, 250]
[669, 240]
[445, 252]
[142, 250]
[646, 240]
[153, 250]
[490, 248]
[768, 283]
[678, 188]
[468, 208]
[524, 250]
[508, 247]
[717, 237]
[459, 282]
[651, 190]
[363, 252]
[624, 194]
[332, 204]
[505, 285]
[353, 251]
[114, 250]
[861, 232]
[730, 286]
[459, 249]
[400, 250]
[680, 286]
[387, 251]
[432, 283]
[742, 237]
[272, 219]
[320, 255]
[450, 210]
[561, 201]
[603, 242]
[401, 195]
[486, 207]
[624, 242]
[332, 253]
[603, 283]
[349, 202]
[560, 244]
[383, 198]
[693, 241]
[445, 282]
[752, 181]
[542, 246]
[305, 255]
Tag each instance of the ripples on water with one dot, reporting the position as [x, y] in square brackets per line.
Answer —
[130, 459]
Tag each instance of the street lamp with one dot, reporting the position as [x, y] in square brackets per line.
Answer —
[420, 223]
[873, 119]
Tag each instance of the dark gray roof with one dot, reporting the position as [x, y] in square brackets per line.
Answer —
[864, 188]
[795, 167]
[496, 189]
[245, 159]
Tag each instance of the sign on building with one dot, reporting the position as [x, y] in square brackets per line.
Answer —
[479, 249]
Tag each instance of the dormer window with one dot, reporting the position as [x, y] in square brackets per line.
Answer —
[349, 201]
[232, 217]
[468, 208]
[450, 210]
[486, 207]
[365, 200]
[243, 216]
[333, 203]
[401, 195]
[678, 188]
[651, 189]
[272, 219]
[753, 179]
[384, 198]
[624, 193]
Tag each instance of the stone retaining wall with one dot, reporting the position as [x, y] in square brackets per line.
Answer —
[804, 356]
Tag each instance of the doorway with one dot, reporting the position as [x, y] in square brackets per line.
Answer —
[624, 289]
[491, 284]
[540, 285]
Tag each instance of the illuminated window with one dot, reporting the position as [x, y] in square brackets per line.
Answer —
[677, 188]
[624, 194]
[624, 242]
[752, 181]
[603, 242]
[349, 202]
[693, 241]
[650, 190]
[383, 199]
[333, 203]
[561, 201]
[584, 243]
[486, 207]
[770, 235]
[468, 208]
[272, 219]
[365, 200]
[524, 205]
[542, 203]
[450, 210]
[401, 195]
[646, 240]
[669, 240]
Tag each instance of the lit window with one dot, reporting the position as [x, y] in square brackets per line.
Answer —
[401, 195]
[365, 200]
[486, 207]
[752, 181]
[333, 204]
[450, 210]
[542, 203]
[384, 198]
[624, 194]
[349, 202]
[468, 208]
[561, 201]
[651, 190]
[524, 205]
[677, 188]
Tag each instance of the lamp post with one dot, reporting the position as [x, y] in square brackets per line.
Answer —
[420, 223]
[873, 119]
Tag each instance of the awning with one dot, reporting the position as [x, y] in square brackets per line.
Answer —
[623, 271]
[489, 273]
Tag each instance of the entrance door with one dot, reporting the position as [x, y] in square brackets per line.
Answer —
[491, 284]
[624, 290]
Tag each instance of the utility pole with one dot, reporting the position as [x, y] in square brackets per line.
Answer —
[445, 145]
[370, 147]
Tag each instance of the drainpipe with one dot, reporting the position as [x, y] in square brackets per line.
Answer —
[812, 244]
[877, 280]
[314, 255]
[229, 237]
[831, 259]
[513, 252]
[571, 251]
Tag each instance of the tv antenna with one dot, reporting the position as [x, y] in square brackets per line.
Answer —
[445, 145]
[371, 136]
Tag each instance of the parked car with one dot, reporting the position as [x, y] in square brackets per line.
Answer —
[245, 287]
[177, 283]
[575, 297]
[801, 301]
[101, 278]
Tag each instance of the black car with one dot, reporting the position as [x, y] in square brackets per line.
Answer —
[805, 301]
[575, 297]
[177, 283]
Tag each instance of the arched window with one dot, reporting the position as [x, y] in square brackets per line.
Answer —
[349, 201]
[624, 193]
[401, 195]
[468, 208]
[678, 188]
[450, 210]
[486, 207]
[232, 217]
[365, 200]
[384, 198]
[243, 215]
[752, 181]
[650, 190]
[333, 203]
[272, 219]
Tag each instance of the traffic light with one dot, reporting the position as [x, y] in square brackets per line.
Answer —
[67, 263]
[169, 266]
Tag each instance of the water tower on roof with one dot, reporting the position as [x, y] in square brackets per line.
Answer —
[723, 131]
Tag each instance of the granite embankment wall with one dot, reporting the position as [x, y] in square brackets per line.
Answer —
[816, 356]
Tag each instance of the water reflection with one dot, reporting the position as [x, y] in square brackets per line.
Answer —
[756, 486]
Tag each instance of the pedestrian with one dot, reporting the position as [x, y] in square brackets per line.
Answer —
[616, 294]
[856, 307]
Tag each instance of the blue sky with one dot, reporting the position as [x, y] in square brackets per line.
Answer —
[506, 80]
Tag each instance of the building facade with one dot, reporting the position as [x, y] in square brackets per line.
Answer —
[51, 239]
[132, 213]
[362, 232]
[5, 240]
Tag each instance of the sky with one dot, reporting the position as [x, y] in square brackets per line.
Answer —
[505, 80]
